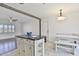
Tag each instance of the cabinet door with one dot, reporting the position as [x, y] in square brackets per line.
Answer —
[28, 48]
[22, 52]
[22, 43]
[39, 47]
[22, 47]
[17, 52]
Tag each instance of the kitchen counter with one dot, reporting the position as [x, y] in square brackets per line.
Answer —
[29, 37]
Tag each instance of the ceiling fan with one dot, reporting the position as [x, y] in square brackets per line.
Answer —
[12, 20]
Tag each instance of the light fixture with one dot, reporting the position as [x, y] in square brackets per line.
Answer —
[12, 20]
[61, 17]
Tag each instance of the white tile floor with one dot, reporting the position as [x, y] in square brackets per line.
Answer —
[50, 51]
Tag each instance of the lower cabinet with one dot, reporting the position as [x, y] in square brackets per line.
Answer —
[39, 47]
[26, 47]
[28, 51]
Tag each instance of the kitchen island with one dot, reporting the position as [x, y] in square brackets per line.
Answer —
[30, 45]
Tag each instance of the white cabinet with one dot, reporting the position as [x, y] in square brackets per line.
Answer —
[27, 47]
[39, 47]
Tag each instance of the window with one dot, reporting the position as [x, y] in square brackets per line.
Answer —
[1, 28]
[13, 28]
[7, 45]
[7, 28]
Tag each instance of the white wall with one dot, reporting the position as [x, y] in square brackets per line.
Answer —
[48, 28]
[32, 25]
[69, 25]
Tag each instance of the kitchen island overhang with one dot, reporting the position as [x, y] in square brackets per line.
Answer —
[30, 37]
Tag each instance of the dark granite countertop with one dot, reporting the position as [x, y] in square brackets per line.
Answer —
[30, 37]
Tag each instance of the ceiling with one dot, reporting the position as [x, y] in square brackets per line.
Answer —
[44, 10]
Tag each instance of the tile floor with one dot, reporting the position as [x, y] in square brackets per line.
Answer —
[61, 52]
[50, 51]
